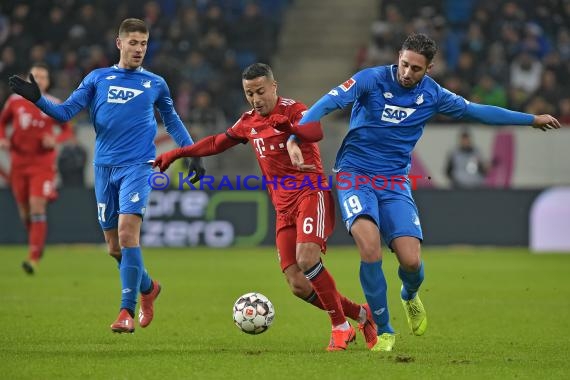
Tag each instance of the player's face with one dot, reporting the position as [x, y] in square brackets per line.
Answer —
[41, 76]
[261, 93]
[132, 47]
[412, 67]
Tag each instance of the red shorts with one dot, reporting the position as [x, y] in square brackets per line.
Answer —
[312, 222]
[33, 181]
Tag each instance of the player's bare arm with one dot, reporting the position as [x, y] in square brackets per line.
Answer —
[296, 156]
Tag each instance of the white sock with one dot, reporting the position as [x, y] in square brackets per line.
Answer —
[362, 315]
[345, 326]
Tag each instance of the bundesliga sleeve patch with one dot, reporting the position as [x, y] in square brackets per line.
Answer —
[348, 84]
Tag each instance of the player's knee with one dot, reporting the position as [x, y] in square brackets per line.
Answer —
[37, 205]
[127, 239]
[113, 246]
[37, 209]
[301, 289]
[308, 255]
[411, 264]
[370, 252]
[298, 283]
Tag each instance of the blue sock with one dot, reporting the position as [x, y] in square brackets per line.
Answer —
[146, 281]
[411, 282]
[374, 286]
[131, 271]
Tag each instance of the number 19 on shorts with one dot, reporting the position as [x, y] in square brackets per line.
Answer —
[352, 206]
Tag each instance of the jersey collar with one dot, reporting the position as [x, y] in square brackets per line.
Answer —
[116, 66]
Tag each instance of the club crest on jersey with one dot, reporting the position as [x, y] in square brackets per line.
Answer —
[118, 94]
[347, 85]
[396, 115]
[146, 83]
[134, 197]
[420, 99]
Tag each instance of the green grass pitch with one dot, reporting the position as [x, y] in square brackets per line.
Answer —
[493, 314]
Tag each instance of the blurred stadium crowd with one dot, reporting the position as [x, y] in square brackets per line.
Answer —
[513, 54]
[198, 46]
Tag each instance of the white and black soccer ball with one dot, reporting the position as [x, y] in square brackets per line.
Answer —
[253, 313]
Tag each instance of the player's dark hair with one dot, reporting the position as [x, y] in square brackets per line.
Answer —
[421, 44]
[39, 65]
[257, 70]
[131, 25]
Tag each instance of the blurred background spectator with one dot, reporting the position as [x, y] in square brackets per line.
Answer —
[465, 167]
[196, 45]
[507, 53]
[513, 54]
[71, 163]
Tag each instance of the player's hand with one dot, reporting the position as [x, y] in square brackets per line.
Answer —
[280, 122]
[166, 159]
[545, 122]
[4, 144]
[196, 166]
[296, 156]
[28, 90]
[48, 141]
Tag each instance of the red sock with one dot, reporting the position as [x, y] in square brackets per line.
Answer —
[325, 287]
[37, 236]
[350, 309]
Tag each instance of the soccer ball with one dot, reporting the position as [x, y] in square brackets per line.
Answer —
[253, 313]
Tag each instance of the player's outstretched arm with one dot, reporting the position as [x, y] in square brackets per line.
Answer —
[502, 116]
[309, 132]
[321, 108]
[208, 146]
[27, 90]
[296, 156]
[545, 122]
[63, 112]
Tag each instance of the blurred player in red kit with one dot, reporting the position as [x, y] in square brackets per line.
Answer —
[32, 161]
[305, 214]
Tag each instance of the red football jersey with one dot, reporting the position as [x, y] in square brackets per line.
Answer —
[29, 125]
[285, 183]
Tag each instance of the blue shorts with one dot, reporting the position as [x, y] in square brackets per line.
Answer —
[388, 203]
[121, 190]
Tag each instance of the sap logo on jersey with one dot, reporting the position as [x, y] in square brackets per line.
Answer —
[118, 94]
[396, 115]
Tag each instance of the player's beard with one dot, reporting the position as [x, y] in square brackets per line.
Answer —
[406, 83]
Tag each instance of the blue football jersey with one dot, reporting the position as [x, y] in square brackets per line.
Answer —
[122, 108]
[388, 119]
